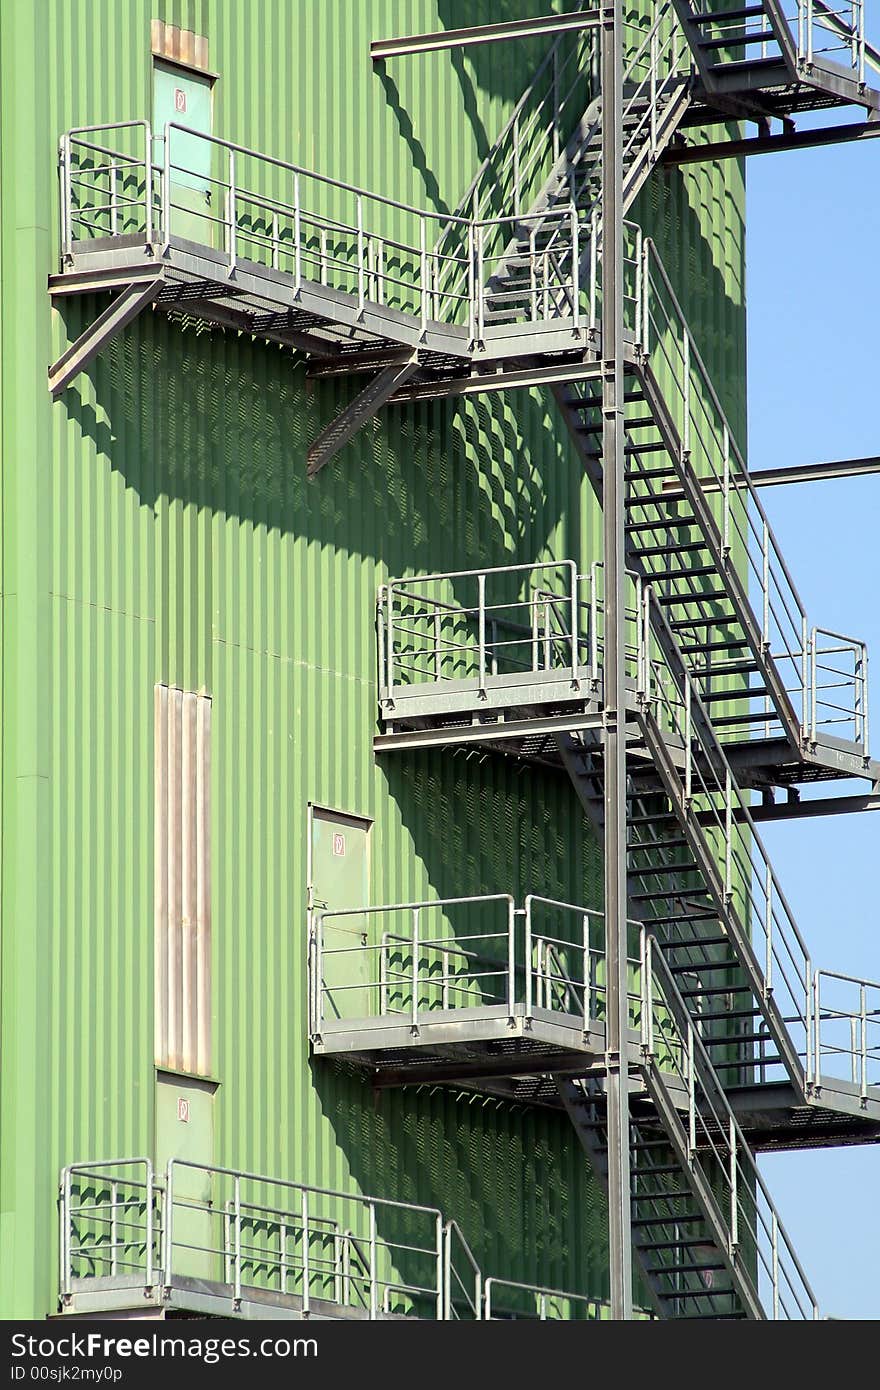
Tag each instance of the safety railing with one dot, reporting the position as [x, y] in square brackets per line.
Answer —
[507, 1300]
[245, 206]
[716, 1148]
[480, 628]
[838, 686]
[237, 1232]
[111, 1222]
[411, 962]
[719, 813]
[709, 449]
[846, 1011]
[829, 32]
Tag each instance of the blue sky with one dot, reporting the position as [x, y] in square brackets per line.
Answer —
[813, 248]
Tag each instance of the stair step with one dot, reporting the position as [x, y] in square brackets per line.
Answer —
[690, 945]
[682, 600]
[680, 548]
[691, 1267]
[686, 1241]
[728, 645]
[672, 1194]
[684, 917]
[714, 991]
[748, 65]
[717, 621]
[718, 16]
[710, 697]
[733, 668]
[677, 1218]
[737, 40]
[728, 721]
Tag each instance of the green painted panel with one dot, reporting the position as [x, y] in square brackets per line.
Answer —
[157, 526]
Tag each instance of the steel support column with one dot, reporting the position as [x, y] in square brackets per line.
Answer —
[619, 1210]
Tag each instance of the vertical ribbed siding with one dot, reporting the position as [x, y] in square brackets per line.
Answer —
[180, 544]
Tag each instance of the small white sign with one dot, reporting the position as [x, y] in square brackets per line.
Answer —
[183, 1110]
[338, 844]
[180, 101]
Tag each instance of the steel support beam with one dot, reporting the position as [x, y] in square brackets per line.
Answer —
[613, 434]
[474, 34]
[770, 144]
[121, 311]
[796, 473]
[350, 419]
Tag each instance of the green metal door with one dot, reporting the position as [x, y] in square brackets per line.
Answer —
[185, 99]
[340, 881]
[185, 1130]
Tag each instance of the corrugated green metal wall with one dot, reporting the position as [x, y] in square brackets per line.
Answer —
[156, 525]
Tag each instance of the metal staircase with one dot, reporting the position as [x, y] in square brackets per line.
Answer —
[762, 61]
[706, 1235]
[657, 86]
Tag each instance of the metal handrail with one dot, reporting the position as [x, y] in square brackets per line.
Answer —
[716, 1145]
[356, 1270]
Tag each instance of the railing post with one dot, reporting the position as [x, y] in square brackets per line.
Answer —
[389, 630]
[148, 183]
[653, 88]
[373, 1271]
[166, 185]
[307, 1273]
[575, 269]
[481, 631]
[817, 1027]
[688, 740]
[594, 626]
[692, 1092]
[808, 1018]
[863, 1086]
[734, 1186]
[516, 187]
[814, 680]
[728, 833]
[527, 944]
[114, 1196]
[438, 663]
[230, 212]
[768, 929]
[320, 988]
[594, 266]
[805, 672]
[511, 959]
[236, 1287]
[646, 298]
[573, 609]
[414, 1003]
[587, 992]
[686, 375]
[297, 232]
[775, 1249]
[809, 33]
[725, 544]
[65, 1234]
[149, 1224]
[444, 1260]
[423, 272]
[556, 111]
[480, 286]
[360, 253]
[168, 1224]
[765, 579]
[472, 283]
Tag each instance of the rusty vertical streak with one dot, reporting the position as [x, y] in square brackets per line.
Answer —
[175, 701]
[203, 886]
[160, 872]
[188, 874]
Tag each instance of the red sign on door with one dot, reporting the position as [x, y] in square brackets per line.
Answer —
[338, 844]
[183, 1109]
[180, 101]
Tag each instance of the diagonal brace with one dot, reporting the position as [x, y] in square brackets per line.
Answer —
[357, 413]
[121, 311]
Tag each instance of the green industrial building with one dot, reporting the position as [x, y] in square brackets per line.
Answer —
[317, 646]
